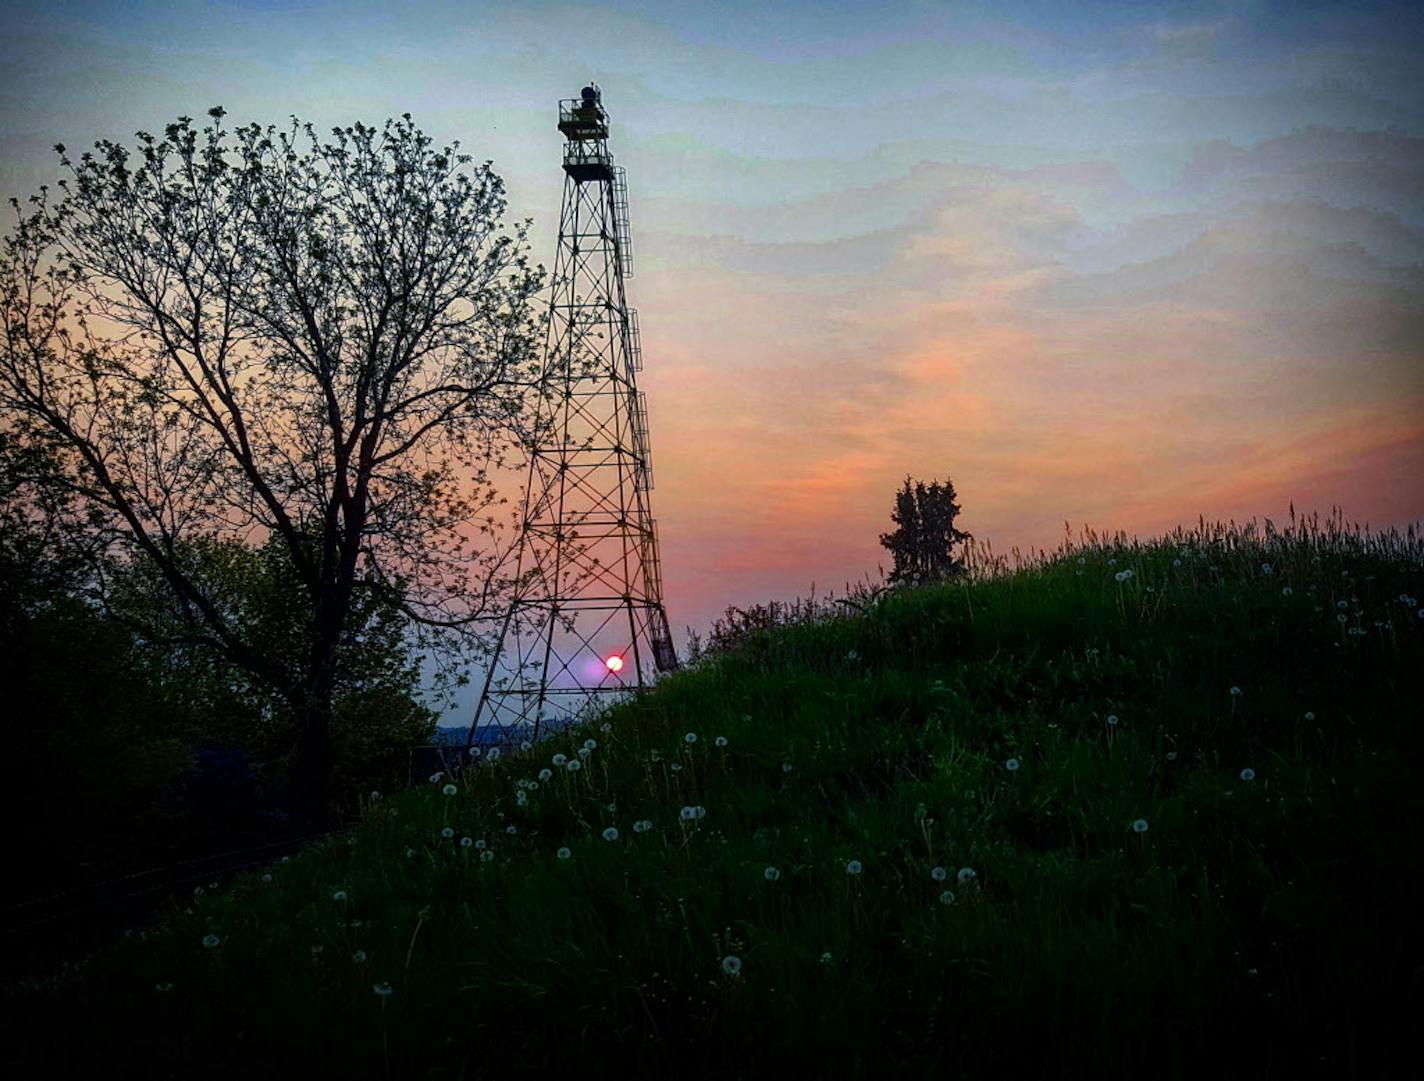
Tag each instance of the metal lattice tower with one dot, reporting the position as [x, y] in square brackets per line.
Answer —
[590, 624]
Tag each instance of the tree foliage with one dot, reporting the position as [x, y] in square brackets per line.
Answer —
[317, 346]
[924, 539]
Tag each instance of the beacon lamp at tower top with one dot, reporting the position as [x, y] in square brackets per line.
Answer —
[614, 663]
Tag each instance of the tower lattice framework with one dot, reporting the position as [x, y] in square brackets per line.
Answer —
[589, 624]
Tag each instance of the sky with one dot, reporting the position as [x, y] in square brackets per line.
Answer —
[1116, 265]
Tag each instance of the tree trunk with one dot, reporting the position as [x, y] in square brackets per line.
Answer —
[313, 772]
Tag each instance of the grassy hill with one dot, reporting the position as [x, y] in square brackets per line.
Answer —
[1134, 810]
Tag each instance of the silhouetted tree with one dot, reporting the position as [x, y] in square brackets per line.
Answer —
[925, 537]
[259, 334]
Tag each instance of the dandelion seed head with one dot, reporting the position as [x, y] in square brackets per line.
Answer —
[449, 790]
[771, 874]
[559, 759]
[1112, 718]
[525, 745]
[1012, 765]
[1342, 605]
[481, 844]
[1139, 826]
[584, 752]
[266, 878]
[720, 741]
[1248, 774]
[563, 853]
[731, 965]
[546, 774]
[486, 855]
[826, 958]
[447, 833]
[1309, 716]
[494, 754]
[691, 737]
[466, 842]
[359, 957]
[854, 867]
[590, 745]
[1171, 756]
[786, 767]
[605, 728]
[1235, 692]
[1266, 568]
[211, 941]
[475, 752]
[511, 829]
[573, 765]
[1286, 591]
[611, 833]
[939, 874]
[966, 873]
[339, 895]
[384, 990]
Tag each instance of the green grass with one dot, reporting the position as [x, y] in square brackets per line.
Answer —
[1257, 928]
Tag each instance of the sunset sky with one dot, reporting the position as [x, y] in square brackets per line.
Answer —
[1114, 264]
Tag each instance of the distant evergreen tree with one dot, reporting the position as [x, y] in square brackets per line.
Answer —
[925, 537]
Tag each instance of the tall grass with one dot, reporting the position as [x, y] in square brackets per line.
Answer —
[1248, 695]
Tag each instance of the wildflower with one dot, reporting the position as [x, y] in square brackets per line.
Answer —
[481, 845]
[563, 853]
[1248, 774]
[339, 895]
[545, 774]
[720, 741]
[939, 874]
[211, 941]
[385, 990]
[1011, 765]
[1266, 568]
[731, 965]
[436, 778]
[966, 873]
[1235, 692]
[359, 957]
[493, 754]
[559, 759]
[486, 855]
[854, 867]
[947, 897]
[771, 874]
[611, 833]
[449, 790]
[590, 745]
[1140, 826]
[691, 737]
[573, 765]
[447, 833]
[786, 767]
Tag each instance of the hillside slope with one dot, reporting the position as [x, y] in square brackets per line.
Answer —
[1136, 810]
